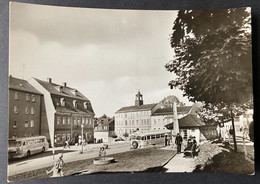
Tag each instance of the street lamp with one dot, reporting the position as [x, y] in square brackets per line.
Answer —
[82, 126]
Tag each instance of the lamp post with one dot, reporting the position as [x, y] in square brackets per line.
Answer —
[82, 126]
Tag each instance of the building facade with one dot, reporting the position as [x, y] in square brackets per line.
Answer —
[164, 116]
[129, 119]
[24, 109]
[66, 113]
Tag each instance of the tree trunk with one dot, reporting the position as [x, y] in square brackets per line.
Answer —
[234, 132]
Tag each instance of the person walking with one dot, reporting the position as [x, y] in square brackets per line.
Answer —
[178, 142]
[57, 168]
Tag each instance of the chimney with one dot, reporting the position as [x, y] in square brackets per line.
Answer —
[49, 80]
[64, 84]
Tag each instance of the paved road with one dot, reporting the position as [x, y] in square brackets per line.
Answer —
[46, 161]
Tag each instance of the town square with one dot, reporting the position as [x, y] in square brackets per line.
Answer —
[129, 91]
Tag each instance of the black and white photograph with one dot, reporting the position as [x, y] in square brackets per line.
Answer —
[94, 91]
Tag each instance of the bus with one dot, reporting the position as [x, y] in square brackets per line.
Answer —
[141, 139]
[26, 146]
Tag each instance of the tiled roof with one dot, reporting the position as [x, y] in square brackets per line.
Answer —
[189, 121]
[136, 108]
[21, 85]
[69, 107]
[169, 111]
[66, 91]
[68, 96]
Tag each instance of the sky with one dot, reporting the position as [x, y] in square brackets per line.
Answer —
[108, 55]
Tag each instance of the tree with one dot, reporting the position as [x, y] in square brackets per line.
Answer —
[168, 101]
[251, 131]
[212, 58]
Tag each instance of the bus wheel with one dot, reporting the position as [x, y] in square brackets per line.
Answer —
[43, 149]
[135, 144]
[28, 153]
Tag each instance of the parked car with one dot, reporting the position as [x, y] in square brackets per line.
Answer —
[119, 139]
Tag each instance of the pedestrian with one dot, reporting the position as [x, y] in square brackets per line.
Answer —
[67, 145]
[178, 142]
[57, 168]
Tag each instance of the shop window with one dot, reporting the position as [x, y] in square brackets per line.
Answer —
[32, 123]
[26, 124]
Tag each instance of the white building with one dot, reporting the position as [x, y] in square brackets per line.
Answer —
[164, 116]
[129, 119]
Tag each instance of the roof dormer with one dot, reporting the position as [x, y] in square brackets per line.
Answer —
[85, 104]
[62, 102]
[74, 92]
[75, 103]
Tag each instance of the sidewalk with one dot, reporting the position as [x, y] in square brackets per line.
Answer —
[180, 164]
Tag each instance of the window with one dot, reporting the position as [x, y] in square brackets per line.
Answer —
[85, 104]
[152, 136]
[16, 95]
[79, 122]
[64, 120]
[136, 122]
[75, 103]
[27, 98]
[144, 121]
[147, 121]
[62, 102]
[58, 121]
[68, 120]
[26, 125]
[125, 122]
[27, 110]
[33, 98]
[148, 137]
[16, 109]
[75, 121]
[83, 121]
[32, 123]
[32, 110]
[86, 121]
[157, 135]
[15, 125]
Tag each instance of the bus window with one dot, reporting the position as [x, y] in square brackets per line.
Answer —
[143, 138]
[148, 137]
[157, 135]
[162, 135]
[138, 137]
[14, 143]
[153, 136]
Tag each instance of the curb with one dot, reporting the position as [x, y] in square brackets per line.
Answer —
[159, 168]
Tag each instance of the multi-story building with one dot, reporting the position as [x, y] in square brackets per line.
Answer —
[103, 131]
[65, 113]
[129, 119]
[24, 109]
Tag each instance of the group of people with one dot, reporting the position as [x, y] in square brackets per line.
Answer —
[191, 145]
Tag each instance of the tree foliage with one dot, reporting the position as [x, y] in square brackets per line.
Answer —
[212, 58]
[168, 101]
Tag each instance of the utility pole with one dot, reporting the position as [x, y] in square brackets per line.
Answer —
[234, 132]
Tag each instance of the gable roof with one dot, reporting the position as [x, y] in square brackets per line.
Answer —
[66, 91]
[189, 121]
[137, 108]
[22, 85]
[169, 111]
